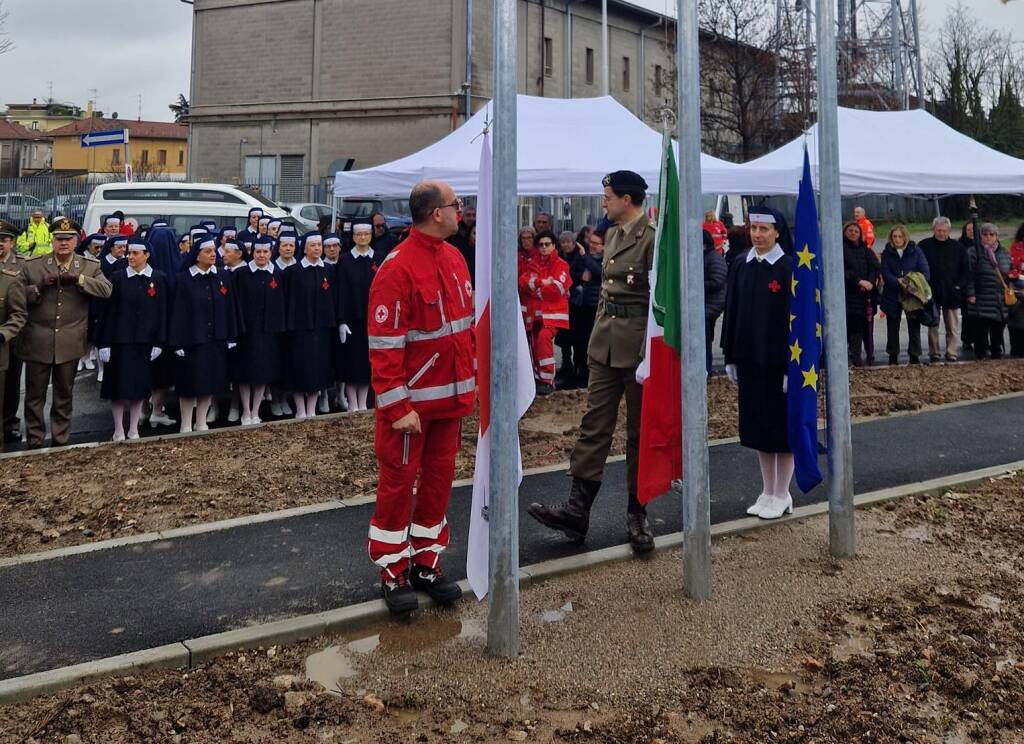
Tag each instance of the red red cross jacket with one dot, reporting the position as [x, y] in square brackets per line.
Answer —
[527, 300]
[420, 318]
[552, 299]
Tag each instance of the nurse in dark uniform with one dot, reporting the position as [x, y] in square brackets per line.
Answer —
[204, 325]
[283, 256]
[164, 256]
[332, 395]
[131, 334]
[755, 342]
[311, 324]
[232, 260]
[261, 301]
[355, 273]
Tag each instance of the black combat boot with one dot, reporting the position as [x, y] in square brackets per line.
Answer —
[399, 595]
[638, 530]
[573, 516]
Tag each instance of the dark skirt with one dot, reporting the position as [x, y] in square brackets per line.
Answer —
[353, 357]
[309, 360]
[762, 408]
[257, 359]
[162, 369]
[127, 375]
[203, 370]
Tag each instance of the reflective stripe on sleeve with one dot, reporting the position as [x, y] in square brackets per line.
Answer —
[556, 316]
[387, 342]
[440, 392]
[446, 329]
[545, 362]
[393, 396]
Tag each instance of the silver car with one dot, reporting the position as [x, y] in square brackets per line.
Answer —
[17, 207]
[307, 214]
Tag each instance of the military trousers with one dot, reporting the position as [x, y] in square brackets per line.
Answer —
[39, 376]
[12, 394]
[608, 385]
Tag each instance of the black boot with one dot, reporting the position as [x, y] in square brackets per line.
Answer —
[438, 587]
[638, 530]
[399, 595]
[572, 517]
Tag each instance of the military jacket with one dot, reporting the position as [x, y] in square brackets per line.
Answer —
[58, 314]
[621, 323]
[12, 311]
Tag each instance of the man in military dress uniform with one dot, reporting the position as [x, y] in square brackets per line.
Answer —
[616, 348]
[12, 307]
[58, 287]
[11, 389]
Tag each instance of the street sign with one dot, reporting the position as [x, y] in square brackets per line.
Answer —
[104, 139]
[129, 174]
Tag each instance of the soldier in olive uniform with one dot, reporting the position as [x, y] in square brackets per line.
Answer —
[12, 315]
[11, 389]
[616, 348]
[58, 287]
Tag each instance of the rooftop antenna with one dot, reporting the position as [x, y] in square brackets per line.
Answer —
[140, 107]
[49, 86]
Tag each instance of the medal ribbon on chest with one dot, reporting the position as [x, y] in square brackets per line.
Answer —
[223, 289]
[774, 286]
[326, 284]
[152, 290]
[273, 283]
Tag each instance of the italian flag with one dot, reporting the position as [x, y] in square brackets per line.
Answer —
[660, 372]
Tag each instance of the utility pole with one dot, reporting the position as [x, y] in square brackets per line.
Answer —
[896, 50]
[605, 61]
[918, 66]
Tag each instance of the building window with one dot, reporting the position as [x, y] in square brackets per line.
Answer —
[590, 66]
[625, 73]
[161, 157]
[115, 157]
[181, 157]
[659, 80]
[35, 125]
[145, 157]
[549, 56]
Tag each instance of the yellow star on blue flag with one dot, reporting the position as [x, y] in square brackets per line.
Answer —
[805, 342]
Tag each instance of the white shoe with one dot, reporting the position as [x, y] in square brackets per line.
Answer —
[185, 428]
[300, 418]
[233, 414]
[90, 364]
[286, 409]
[118, 438]
[322, 406]
[761, 503]
[81, 364]
[275, 408]
[255, 421]
[99, 375]
[202, 426]
[133, 436]
[160, 419]
[777, 506]
[212, 414]
[246, 421]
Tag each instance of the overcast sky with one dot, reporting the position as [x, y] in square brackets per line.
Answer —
[124, 48]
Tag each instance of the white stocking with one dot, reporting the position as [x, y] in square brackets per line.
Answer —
[257, 400]
[767, 462]
[351, 397]
[300, 405]
[203, 408]
[244, 392]
[134, 414]
[783, 474]
[187, 406]
[311, 403]
[117, 409]
[362, 392]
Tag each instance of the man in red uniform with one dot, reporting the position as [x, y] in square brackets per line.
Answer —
[867, 228]
[716, 228]
[422, 360]
[546, 281]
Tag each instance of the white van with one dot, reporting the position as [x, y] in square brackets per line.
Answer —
[182, 205]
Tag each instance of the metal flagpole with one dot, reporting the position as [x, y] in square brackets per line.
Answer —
[840, 451]
[604, 48]
[503, 511]
[696, 487]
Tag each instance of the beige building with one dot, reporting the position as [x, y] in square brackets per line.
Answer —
[45, 116]
[23, 152]
[285, 91]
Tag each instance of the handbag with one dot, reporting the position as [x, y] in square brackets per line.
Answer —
[1009, 297]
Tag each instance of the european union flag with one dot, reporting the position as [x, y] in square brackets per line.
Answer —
[805, 337]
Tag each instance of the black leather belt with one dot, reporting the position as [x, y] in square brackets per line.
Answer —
[624, 311]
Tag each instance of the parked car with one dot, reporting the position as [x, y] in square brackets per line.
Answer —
[17, 207]
[396, 211]
[307, 215]
[62, 204]
[181, 204]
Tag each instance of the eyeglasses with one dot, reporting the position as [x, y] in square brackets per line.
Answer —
[546, 243]
[457, 204]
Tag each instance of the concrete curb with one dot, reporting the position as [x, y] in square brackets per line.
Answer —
[195, 651]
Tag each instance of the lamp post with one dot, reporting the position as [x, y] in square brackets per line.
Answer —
[241, 166]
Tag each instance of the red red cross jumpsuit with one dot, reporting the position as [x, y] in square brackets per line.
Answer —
[546, 280]
[422, 358]
[527, 304]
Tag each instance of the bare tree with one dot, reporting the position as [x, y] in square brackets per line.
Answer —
[6, 43]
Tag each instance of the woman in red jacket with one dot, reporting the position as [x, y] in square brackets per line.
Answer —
[546, 282]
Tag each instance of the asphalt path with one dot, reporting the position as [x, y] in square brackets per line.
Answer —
[93, 605]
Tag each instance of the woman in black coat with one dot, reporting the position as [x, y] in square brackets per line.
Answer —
[204, 326]
[755, 340]
[861, 273]
[585, 271]
[900, 257]
[261, 302]
[985, 309]
[164, 256]
[356, 270]
[716, 274]
[311, 320]
[131, 334]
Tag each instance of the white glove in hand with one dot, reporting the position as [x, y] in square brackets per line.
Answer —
[344, 332]
[730, 372]
[155, 352]
[232, 344]
[104, 355]
[180, 352]
[785, 384]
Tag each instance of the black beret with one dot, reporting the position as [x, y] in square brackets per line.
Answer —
[624, 179]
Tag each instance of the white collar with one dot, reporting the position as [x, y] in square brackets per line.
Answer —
[236, 267]
[771, 256]
[254, 268]
[111, 258]
[283, 266]
[357, 254]
[147, 271]
[329, 261]
[306, 263]
[195, 270]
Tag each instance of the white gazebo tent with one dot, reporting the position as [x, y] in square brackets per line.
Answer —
[892, 152]
[565, 147]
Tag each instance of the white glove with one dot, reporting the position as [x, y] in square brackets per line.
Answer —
[104, 355]
[180, 352]
[785, 384]
[730, 372]
[344, 332]
[155, 352]
[231, 345]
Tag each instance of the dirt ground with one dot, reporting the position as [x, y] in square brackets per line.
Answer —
[66, 498]
[918, 639]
